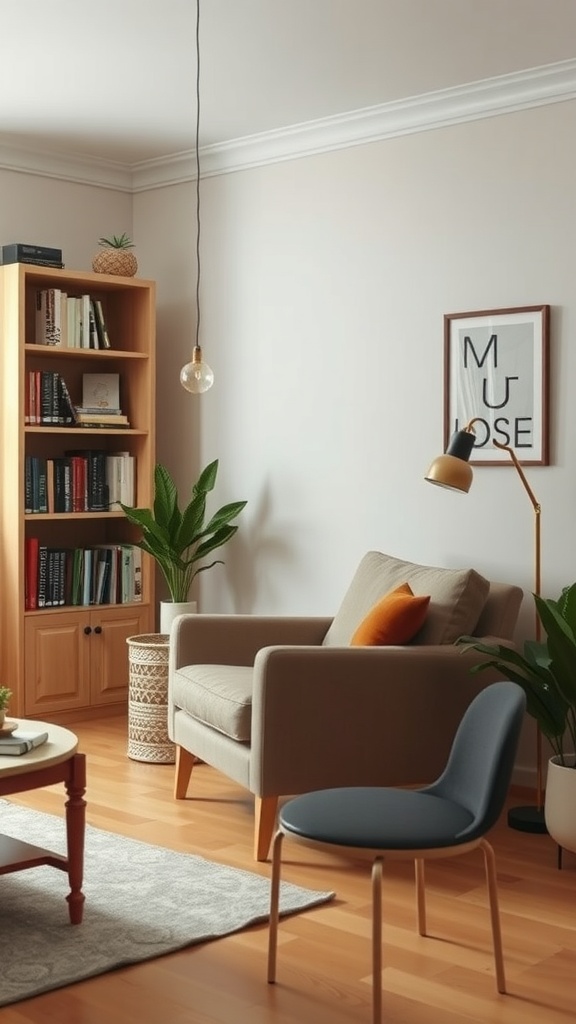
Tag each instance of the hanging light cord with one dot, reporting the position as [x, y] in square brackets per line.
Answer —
[196, 376]
[197, 150]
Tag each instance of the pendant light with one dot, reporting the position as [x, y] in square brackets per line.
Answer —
[197, 376]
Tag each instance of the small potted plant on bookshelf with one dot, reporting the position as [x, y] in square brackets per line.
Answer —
[5, 695]
[115, 257]
[179, 539]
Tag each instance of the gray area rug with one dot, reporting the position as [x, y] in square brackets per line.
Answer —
[141, 901]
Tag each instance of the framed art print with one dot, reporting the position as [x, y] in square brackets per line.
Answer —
[496, 373]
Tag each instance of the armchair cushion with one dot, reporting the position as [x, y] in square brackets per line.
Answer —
[217, 695]
[394, 619]
[457, 597]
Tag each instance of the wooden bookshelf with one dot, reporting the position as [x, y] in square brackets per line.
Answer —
[71, 659]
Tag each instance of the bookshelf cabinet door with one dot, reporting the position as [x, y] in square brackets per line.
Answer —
[57, 669]
[109, 660]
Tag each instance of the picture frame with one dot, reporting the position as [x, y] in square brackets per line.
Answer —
[496, 371]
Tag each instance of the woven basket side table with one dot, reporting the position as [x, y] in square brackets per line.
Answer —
[148, 738]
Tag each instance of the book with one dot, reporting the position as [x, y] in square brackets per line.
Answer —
[101, 324]
[48, 317]
[111, 419]
[21, 741]
[101, 391]
[85, 321]
[31, 548]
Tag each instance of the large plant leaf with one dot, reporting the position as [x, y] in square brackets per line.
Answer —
[222, 517]
[220, 537]
[165, 499]
[207, 479]
[562, 647]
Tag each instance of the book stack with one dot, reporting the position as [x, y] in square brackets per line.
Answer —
[101, 402]
[39, 255]
[47, 400]
[70, 321]
[21, 741]
[99, 575]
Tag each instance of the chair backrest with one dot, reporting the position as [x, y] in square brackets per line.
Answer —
[479, 768]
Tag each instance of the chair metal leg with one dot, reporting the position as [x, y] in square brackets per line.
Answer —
[377, 941]
[274, 905]
[419, 871]
[490, 865]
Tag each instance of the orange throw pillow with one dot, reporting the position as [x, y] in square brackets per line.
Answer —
[394, 619]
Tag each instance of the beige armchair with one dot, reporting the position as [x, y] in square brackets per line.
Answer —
[284, 705]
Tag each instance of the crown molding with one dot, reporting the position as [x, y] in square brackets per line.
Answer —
[82, 170]
[505, 94]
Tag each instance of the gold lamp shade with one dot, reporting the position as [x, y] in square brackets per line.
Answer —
[452, 470]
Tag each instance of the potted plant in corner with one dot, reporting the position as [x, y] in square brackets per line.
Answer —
[546, 671]
[178, 540]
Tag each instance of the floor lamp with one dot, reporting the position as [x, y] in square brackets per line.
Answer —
[453, 470]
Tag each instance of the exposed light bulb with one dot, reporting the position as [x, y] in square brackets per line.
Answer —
[196, 376]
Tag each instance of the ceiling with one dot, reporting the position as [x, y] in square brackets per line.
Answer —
[115, 79]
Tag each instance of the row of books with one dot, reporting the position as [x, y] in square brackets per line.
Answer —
[91, 480]
[102, 574]
[69, 321]
[48, 401]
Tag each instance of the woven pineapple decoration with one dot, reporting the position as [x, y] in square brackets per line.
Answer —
[115, 257]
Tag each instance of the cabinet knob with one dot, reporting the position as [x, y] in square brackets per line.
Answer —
[98, 629]
[87, 630]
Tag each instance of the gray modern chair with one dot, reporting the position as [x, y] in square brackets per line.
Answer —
[447, 818]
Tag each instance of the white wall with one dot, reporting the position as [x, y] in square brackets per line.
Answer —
[325, 281]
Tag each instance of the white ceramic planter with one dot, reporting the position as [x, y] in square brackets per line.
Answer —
[169, 610]
[560, 803]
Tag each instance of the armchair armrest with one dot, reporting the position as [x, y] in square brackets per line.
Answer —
[236, 639]
[334, 716]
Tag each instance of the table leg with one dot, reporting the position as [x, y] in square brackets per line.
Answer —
[75, 827]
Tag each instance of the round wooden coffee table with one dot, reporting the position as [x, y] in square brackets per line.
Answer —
[57, 760]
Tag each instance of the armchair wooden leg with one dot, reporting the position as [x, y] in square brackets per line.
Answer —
[265, 808]
[185, 762]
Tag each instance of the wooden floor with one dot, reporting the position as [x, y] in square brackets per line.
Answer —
[324, 954]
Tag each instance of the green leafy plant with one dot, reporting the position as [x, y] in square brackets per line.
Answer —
[179, 539]
[546, 670]
[5, 695]
[117, 242]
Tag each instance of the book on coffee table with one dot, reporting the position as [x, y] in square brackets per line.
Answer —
[21, 741]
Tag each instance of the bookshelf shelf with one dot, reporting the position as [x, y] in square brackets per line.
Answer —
[70, 657]
[101, 355]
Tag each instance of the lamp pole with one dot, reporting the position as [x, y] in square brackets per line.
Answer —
[452, 470]
[529, 819]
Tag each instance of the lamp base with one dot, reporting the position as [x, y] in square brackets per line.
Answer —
[527, 819]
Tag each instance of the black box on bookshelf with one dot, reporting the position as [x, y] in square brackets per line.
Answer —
[41, 255]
